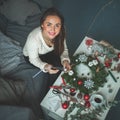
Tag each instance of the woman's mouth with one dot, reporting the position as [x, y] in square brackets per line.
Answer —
[52, 33]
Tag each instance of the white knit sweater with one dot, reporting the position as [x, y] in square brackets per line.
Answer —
[35, 46]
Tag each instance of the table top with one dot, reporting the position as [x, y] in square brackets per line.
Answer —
[52, 102]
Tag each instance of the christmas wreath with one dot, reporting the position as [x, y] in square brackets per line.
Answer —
[87, 73]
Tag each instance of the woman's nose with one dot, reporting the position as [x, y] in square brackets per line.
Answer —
[52, 28]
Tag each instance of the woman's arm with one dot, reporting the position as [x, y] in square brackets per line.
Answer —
[65, 54]
[65, 60]
[31, 50]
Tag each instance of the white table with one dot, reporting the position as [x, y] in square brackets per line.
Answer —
[51, 103]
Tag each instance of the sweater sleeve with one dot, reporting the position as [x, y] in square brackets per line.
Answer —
[32, 51]
[65, 55]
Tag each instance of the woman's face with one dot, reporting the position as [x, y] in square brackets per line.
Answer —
[51, 27]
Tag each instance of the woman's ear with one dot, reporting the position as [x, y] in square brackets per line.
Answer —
[41, 26]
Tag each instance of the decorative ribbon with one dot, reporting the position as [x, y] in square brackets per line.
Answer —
[59, 87]
[56, 87]
[63, 81]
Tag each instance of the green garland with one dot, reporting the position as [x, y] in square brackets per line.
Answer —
[84, 84]
[87, 116]
[91, 115]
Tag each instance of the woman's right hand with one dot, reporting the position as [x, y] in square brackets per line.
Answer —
[49, 69]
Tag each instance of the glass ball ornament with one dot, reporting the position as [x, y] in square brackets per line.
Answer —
[65, 105]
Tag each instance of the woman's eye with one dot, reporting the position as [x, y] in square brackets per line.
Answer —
[57, 25]
[48, 24]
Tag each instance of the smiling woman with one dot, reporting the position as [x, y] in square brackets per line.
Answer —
[50, 36]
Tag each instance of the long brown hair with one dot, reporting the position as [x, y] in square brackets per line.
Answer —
[59, 39]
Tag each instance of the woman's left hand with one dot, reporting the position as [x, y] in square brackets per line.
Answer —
[66, 65]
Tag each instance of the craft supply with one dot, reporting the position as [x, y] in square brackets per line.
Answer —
[112, 75]
[54, 68]
[56, 91]
[37, 74]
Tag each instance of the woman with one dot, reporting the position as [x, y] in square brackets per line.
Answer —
[46, 49]
[49, 37]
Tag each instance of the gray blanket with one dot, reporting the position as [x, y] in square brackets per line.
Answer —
[10, 54]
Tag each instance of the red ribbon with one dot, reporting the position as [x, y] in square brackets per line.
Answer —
[56, 87]
[59, 87]
[63, 82]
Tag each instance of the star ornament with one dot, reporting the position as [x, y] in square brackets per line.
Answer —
[83, 58]
[89, 84]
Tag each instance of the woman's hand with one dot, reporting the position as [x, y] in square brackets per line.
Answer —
[66, 65]
[50, 70]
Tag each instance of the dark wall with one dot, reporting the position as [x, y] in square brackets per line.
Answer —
[99, 19]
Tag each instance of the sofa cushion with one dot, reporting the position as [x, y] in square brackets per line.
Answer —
[20, 32]
[44, 3]
[19, 10]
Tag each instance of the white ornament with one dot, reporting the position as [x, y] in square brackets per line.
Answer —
[90, 64]
[77, 60]
[83, 71]
[95, 62]
[71, 72]
[74, 79]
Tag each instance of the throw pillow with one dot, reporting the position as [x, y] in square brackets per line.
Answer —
[44, 3]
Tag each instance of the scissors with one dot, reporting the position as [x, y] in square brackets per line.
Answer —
[58, 92]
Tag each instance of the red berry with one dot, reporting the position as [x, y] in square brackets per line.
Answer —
[72, 89]
[107, 64]
[86, 97]
[80, 82]
[118, 55]
[87, 104]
